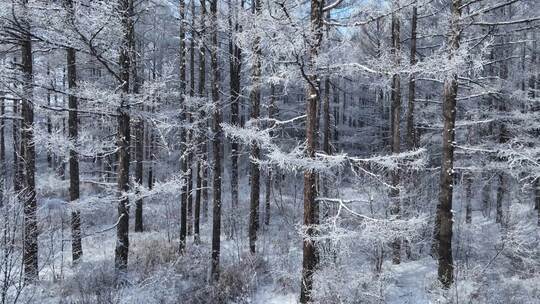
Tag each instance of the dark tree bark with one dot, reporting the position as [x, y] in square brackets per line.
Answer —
[28, 160]
[201, 180]
[396, 134]
[235, 68]
[191, 195]
[76, 244]
[139, 147]
[123, 140]
[310, 257]
[255, 98]
[201, 165]
[183, 133]
[216, 144]
[412, 140]
[444, 212]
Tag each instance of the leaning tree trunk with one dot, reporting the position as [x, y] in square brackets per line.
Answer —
[255, 98]
[395, 123]
[28, 160]
[444, 213]
[216, 145]
[123, 140]
[310, 256]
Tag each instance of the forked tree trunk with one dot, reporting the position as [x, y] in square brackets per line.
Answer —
[255, 98]
[444, 212]
[216, 144]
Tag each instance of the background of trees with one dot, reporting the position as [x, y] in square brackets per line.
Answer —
[314, 151]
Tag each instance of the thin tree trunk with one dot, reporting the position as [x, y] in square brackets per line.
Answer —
[271, 114]
[444, 212]
[216, 145]
[123, 140]
[255, 98]
[2, 151]
[17, 167]
[310, 257]
[76, 243]
[396, 136]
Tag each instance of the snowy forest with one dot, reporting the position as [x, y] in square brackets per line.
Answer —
[269, 151]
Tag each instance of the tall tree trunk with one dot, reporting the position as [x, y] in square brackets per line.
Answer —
[28, 160]
[216, 144]
[123, 140]
[444, 213]
[183, 133]
[191, 195]
[76, 244]
[255, 98]
[235, 66]
[310, 257]
[201, 192]
[412, 140]
[139, 146]
[202, 142]
[395, 122]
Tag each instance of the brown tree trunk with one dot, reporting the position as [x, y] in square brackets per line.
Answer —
[76, 244]
[216, 145]
[444, 212]
[310, 257]
[255, 98]
[17, 167]
[396, 136]
[123, 140]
